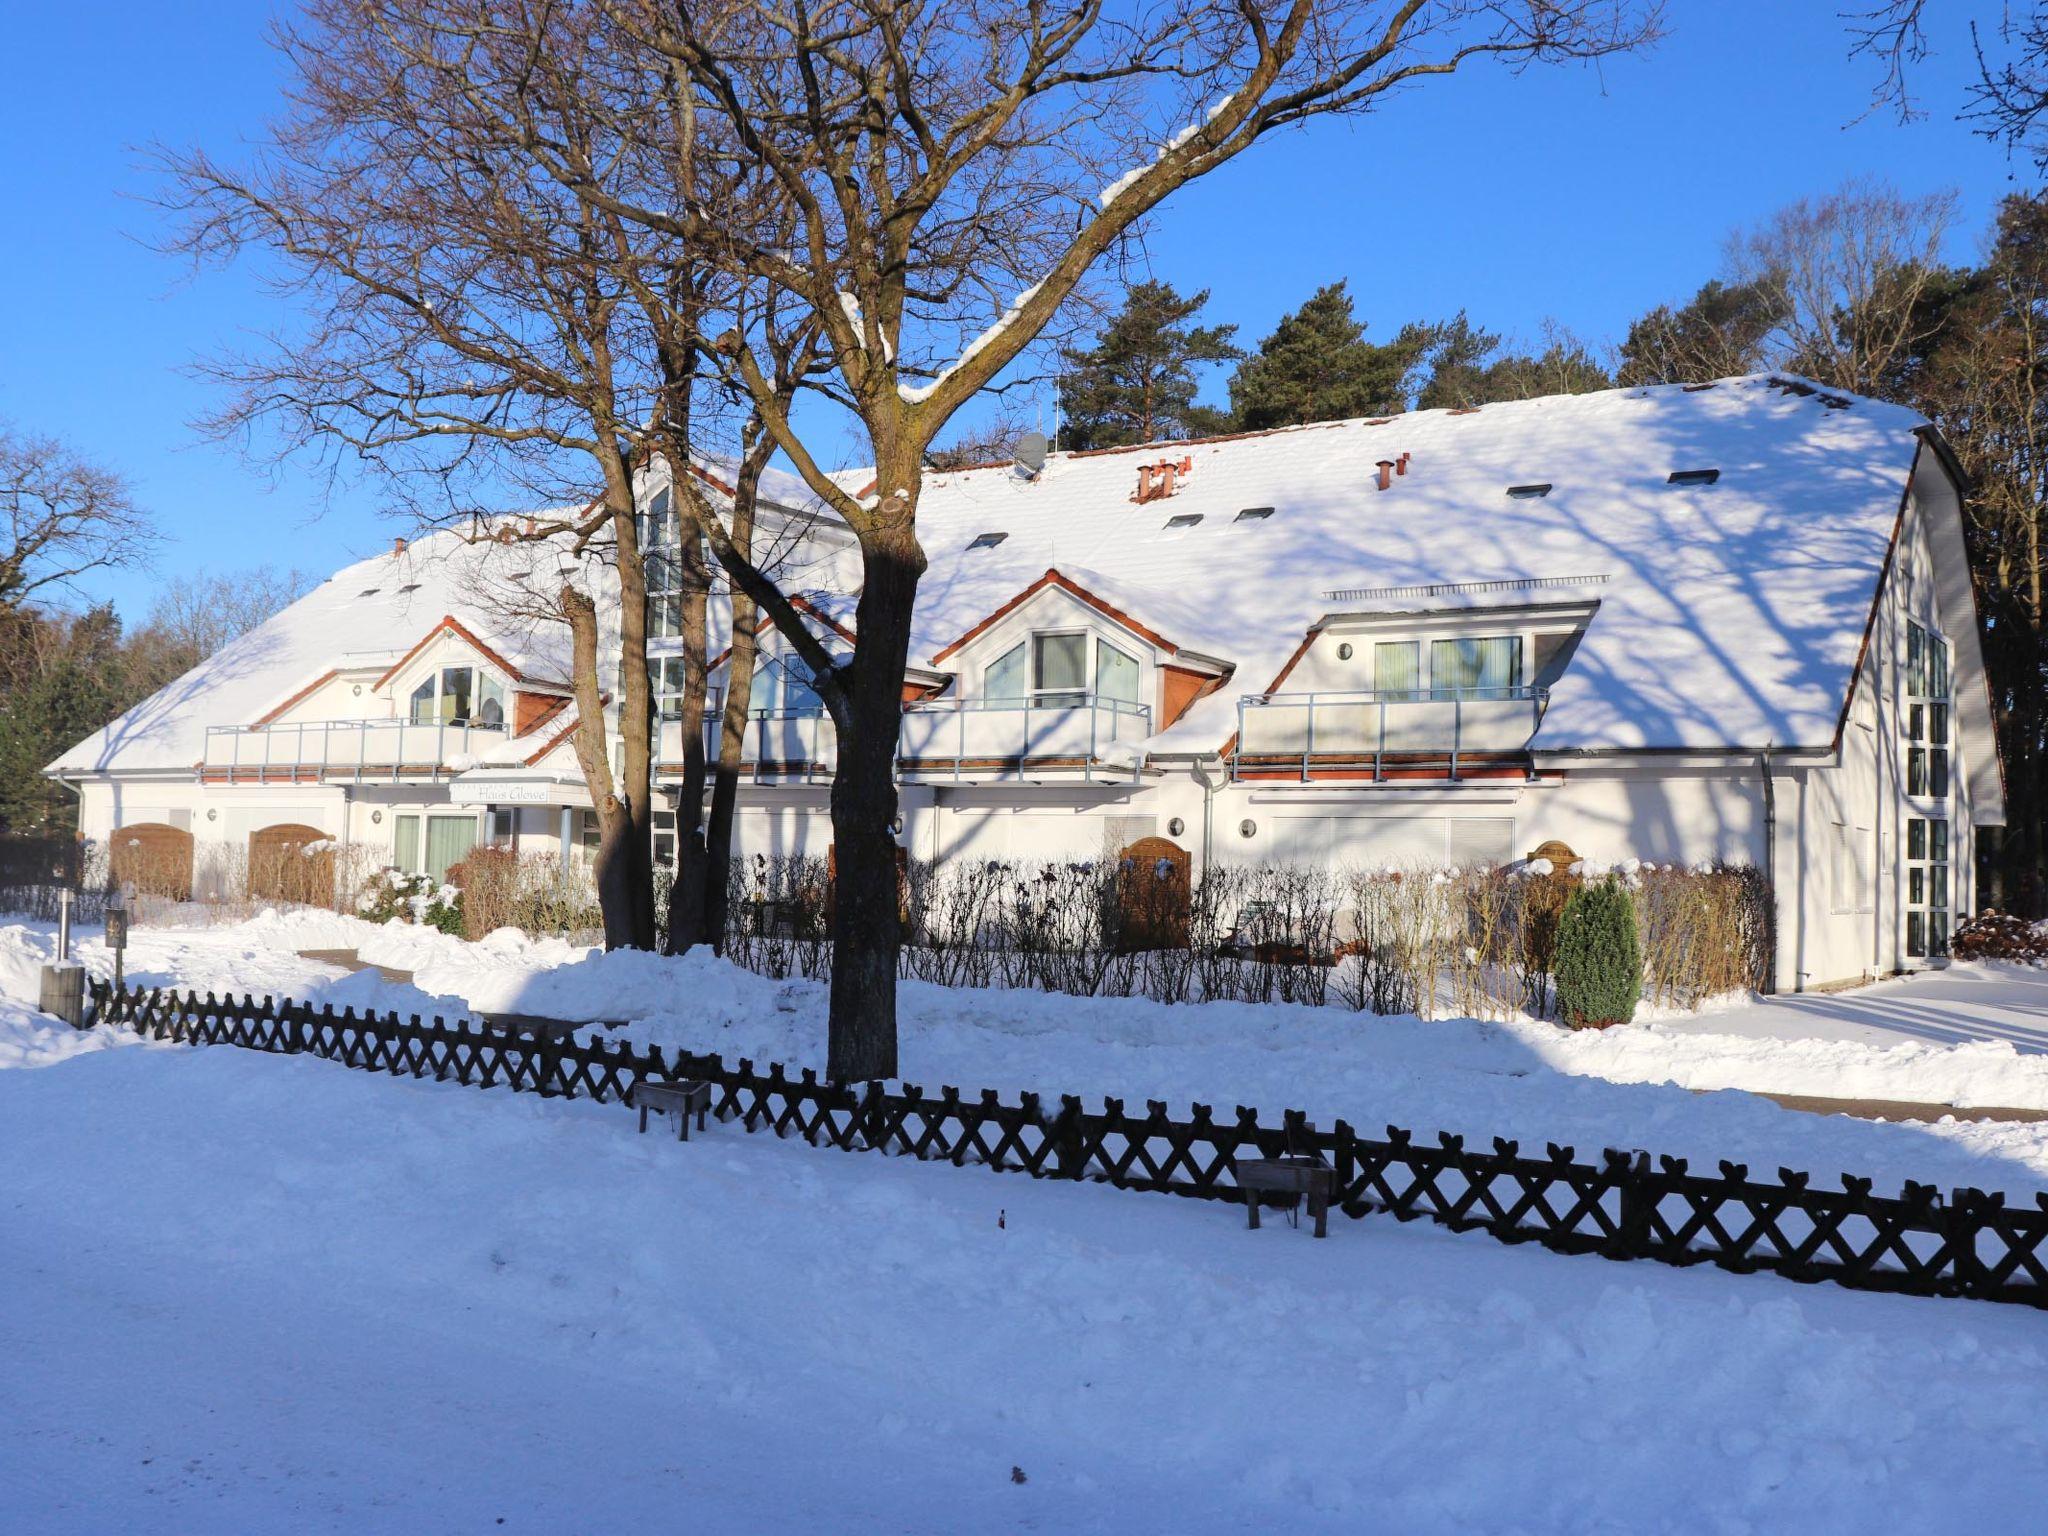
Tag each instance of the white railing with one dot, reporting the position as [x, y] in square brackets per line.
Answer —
[354, 751]
[1299, 733]
[958, 737]
[954, 738]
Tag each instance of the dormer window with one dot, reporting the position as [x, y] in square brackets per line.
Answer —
[1053, 669]
[987, 540]
[459, 696]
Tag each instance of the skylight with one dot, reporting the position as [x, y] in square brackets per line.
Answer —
[1184, 520]
[410, 586]
[987, 540]
[1253, 514]
[1529, 492]
[1693, 477]
[369, 592]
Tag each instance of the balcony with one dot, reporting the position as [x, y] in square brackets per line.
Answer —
[345, 751]
[1387, 734]
[1064, 735]
[954, 739]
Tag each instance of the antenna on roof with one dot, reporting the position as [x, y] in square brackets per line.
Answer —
[1030, 452]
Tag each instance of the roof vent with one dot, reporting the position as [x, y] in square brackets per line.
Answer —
[1253, 515]
[397, 547]
[1693, 477]
[987, 540]
[1030, 452]
[1155, 481]
[1184, 520]
[1386, 475]
[1529, 492]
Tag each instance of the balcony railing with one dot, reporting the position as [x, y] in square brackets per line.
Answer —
[1384, 733]
[956, 738]
[951, 738]
[344, 751]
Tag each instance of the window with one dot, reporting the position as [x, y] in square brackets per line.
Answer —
[1061, 661]
[1184, 520]
[449, 840]
[504, 827]
[1397, 667]
[1529, 492]
[1053, 669]
[1116, 674]
[1253, 515]
[1480, 668]
[664, 839]
[661, 553]
[1693, 477]
[405, 844]
[1926, 714]
[783, 686]
[1004, 677]
[459, 696]
[987, 540]
[1927, 901]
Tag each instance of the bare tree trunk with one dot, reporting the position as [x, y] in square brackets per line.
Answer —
[618, 890]
[686, 897]
[867, 929]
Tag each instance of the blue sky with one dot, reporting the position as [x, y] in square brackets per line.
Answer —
[1586, 193]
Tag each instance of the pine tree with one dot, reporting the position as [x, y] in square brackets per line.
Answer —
[72, 679]
[1318, 366]
[1138, 383]
[1720, 332]
[1467, 366]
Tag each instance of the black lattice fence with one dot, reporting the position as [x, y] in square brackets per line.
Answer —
[1625, 1206]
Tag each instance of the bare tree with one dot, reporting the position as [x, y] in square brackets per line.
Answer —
[1847, 276]
[61, 516]
[193, 617]
[2008, 102]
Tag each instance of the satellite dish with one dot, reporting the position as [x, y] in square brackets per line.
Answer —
[1030, 452]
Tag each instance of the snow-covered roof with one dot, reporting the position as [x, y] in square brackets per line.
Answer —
[1730, 614]
[365, 617]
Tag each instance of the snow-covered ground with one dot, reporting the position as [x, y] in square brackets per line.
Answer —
[250, 1293]
[1635, 1087]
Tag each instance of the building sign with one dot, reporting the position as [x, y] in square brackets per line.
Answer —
[466, 791]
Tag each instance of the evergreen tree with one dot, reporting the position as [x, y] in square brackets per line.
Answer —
[1466, 366]
[1599, 965]
[1318, 366]
[1138, 383]
[1720, 332]
[69, 677]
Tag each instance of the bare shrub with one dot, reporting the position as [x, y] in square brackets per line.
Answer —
[536, 893]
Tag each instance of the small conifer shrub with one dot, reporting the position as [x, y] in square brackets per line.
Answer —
[1599, 966]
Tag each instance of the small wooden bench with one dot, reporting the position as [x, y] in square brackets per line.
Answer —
[1294, 1176]
[542, 1027]
[682, 1099]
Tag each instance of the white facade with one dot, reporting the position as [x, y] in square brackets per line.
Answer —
[1730, 624]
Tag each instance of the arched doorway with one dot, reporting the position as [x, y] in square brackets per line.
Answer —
[1153, 892]
[291, 862]
[152, 857]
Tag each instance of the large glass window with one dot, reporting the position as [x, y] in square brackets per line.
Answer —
[783, 686]
[1927, 714]
[449, 840]
[1116, 674]
[458, 696]
[1062, 662]
[1478, 668]
[665, 679]
[1927, 887]
[1397, 666]
[405, 844]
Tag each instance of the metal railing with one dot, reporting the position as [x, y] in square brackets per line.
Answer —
[352, 751]
[1356, 730]
[958, 737]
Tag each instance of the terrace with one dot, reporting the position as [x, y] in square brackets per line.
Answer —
[1383, 734]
